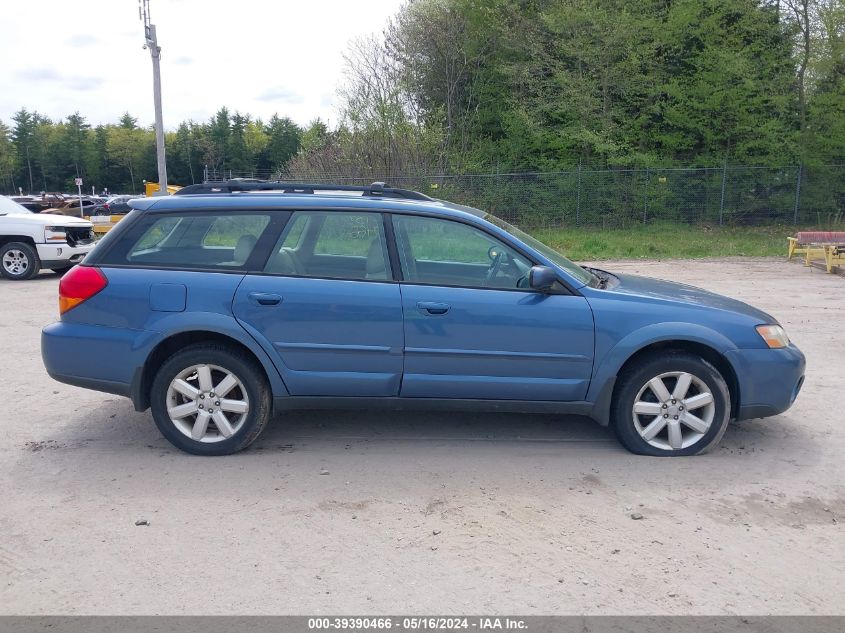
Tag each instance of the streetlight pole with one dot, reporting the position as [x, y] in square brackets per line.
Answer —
[155, 54]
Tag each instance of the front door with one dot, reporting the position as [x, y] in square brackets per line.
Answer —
[472, 327]
[326, 306]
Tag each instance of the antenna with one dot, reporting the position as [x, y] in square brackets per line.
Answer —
[144, 16]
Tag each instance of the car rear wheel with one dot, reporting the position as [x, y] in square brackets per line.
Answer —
[671, 405]
[210, 399]
[19, 261]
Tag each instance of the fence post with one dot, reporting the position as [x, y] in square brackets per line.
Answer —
[578, 197]
[797, 194]
[645, 204]
[722, 199]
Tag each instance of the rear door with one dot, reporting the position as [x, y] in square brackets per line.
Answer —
[327, 307]
[472, 327]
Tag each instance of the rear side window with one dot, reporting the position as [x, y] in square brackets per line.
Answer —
[332, 245]
[212, 240]
[348, 234]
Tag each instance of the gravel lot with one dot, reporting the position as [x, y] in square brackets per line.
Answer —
[426, 513]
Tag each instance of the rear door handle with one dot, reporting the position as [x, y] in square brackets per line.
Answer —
[265, 298]
[433, 307]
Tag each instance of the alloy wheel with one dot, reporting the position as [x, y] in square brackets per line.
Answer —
[673, 410]
[15, 262]
[207, 403]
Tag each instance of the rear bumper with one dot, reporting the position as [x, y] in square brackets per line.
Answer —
[96, 384]
[94, 356]
[769, 380]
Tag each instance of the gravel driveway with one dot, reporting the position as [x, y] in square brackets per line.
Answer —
[369, 513]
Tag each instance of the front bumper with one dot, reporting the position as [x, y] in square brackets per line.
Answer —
[769, 379]
[61, 255]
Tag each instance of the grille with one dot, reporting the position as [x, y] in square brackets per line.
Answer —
[79, 236]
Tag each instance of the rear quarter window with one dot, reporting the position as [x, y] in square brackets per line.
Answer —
[226, 230]
[190, 240]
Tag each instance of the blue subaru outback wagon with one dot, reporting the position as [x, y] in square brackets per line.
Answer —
[229, 302]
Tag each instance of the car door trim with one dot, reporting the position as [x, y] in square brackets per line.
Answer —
[392, 247]
[334, 347]
[503, 354]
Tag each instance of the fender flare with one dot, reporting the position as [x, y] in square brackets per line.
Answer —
[606, 370]
[176, 323]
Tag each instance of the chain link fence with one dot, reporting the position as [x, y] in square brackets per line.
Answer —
[616, 198]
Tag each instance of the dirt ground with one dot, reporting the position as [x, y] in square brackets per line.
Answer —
[426, 513]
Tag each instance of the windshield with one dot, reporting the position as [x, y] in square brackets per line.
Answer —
[7, 205]
[582, 275]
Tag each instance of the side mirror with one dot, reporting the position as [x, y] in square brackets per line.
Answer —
[541, 278]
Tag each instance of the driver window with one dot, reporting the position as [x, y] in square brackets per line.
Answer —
[449, 253]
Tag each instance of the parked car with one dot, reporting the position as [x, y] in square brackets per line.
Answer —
[118, 204]
[71, 207]
[220, 305]
[39, 203]
[32, 241]
[30, 203]
[112, 211]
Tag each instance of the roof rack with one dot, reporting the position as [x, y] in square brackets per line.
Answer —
[377, 189]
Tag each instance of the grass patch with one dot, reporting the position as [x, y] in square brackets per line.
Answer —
[671, 241]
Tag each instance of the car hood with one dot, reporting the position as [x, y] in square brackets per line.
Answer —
[673, 292]
[48, 219]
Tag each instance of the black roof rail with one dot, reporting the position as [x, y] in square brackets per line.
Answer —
[378, 189]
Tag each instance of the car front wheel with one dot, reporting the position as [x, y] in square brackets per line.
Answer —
[19, 261]
[209, 399]
[671, 405]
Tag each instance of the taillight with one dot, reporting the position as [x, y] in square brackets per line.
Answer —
[79, 284]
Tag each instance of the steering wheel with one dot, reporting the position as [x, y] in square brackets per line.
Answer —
[496, 255]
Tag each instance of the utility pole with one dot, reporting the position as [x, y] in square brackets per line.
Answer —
[155, 54]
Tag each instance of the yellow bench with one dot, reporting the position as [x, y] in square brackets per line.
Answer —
[815, 245]
[834, 255]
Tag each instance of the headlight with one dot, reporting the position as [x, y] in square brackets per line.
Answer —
[774, 335]
[54, 234]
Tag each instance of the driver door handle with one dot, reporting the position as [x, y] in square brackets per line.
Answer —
[433, 307]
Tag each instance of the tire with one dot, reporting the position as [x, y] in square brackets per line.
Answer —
[19, 261]
[252, 391]
[665, 427]
[62, 271]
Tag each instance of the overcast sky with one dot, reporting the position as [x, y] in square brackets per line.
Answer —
[256, 56]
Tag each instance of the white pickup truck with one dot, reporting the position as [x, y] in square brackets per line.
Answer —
[32, 241]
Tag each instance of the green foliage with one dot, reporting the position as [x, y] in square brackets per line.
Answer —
[516, 85]
[665, 240]
[37, 154]
[283, 141]
[490, 86]
[315, 136]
